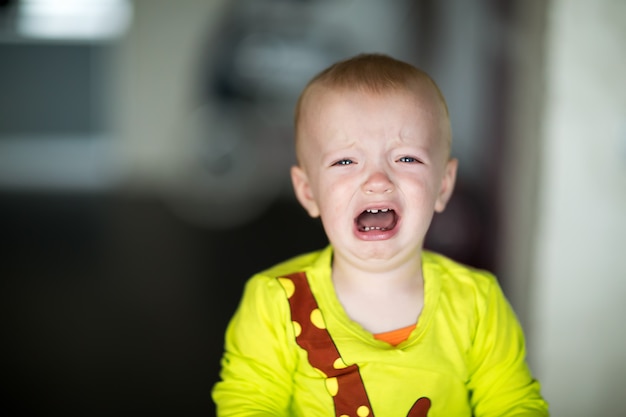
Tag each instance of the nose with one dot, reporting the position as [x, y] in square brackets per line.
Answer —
[378, 182]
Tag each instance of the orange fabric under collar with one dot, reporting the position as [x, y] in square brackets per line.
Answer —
[395, 337]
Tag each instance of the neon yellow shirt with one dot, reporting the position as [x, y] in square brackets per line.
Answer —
[466, 356]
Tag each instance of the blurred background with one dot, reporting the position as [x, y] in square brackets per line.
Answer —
[145, 148]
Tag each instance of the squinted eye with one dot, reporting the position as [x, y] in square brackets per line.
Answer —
[344, 162]
[408, 159]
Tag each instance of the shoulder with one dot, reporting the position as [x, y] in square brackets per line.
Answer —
[267, 279]
[299, 263]
[468, 297]
[455, 276]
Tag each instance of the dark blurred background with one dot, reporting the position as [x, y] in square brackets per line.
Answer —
[145, 149]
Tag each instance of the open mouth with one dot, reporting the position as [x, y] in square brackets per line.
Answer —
[376, 220]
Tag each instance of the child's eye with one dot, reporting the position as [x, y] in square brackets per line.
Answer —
[408, 159]
[344, 162]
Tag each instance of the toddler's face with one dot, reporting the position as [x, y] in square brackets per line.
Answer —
[375, 168]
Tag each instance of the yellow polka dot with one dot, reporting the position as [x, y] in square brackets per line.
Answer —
[344, 415]
[339, 364]
[362, 411]
[317, 319]
[297, 329]
[332, 386]
[288, 285]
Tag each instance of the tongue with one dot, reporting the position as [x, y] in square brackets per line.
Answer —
[379, 220]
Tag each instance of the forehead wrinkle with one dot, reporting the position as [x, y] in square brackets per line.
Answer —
[320, 101]
[339, 143]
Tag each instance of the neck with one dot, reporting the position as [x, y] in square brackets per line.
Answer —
[377, 276]
[380, 296]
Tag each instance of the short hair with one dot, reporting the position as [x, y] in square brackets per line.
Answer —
[370, 73]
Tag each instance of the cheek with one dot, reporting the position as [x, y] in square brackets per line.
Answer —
[332, 208]
[334, 203]
[423, 193]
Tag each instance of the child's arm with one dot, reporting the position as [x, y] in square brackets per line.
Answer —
[500, 383]
[257, 365]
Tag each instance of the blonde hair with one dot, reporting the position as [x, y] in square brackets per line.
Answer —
[370, 73]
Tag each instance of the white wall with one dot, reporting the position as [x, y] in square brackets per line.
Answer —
[577, 304]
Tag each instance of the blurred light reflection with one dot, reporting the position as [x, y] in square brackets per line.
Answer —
[73, 19]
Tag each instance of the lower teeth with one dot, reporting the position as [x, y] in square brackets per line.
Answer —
[367, 229]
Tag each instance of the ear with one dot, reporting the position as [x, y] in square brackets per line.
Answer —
[447, 185]
[302, 188]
